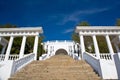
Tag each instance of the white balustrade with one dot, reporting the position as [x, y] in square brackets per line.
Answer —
[105, 68]
[13, 57]
[9, 67]
[2, 57]
[43, 57]
[20, 63]
[104, 56]
[92, 60]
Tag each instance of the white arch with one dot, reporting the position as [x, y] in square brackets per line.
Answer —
[61, 49]
[52, 46]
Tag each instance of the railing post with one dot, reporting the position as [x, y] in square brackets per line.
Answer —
[9, 48]
[22, 47]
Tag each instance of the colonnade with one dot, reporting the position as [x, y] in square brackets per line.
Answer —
[24, 32]
[96, 31]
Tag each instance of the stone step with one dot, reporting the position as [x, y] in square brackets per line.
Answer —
[54, 78]
[60, 67]
[59, 76]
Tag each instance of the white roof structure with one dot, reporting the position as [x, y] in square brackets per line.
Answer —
[98, 30]
[27, 31]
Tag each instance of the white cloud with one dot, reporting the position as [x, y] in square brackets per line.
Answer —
[68, 30]
[75, 17]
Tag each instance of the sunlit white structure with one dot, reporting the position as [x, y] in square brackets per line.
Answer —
[9, 64]
[55, 47]
[106, 64]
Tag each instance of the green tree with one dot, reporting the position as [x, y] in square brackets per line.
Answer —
[40, 46]
[8, 26]
[75, 36]
[83, 23]
[118, 22]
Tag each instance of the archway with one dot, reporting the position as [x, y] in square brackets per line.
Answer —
[61, 52]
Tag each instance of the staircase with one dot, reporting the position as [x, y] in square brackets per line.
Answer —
[59, 67]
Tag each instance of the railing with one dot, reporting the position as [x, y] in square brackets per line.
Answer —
[104, 56]
[2, 57]
[92, 60]
[11, 57]
[104, 66]
[9, 67]
[43, 57]
[55, 41]
[18, 64]
[117, 62]
[75, 56]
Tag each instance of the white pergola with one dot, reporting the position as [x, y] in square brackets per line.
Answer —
[94, 31]
[16, 32]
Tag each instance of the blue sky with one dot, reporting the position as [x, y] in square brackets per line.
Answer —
[58, 17]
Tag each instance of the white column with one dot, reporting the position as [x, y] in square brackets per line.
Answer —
[117, 48]
[119, 37]
[3, 49]
[0, 42]
[9, 48]
[82, 45]
[97, 52]
[22, 49]
[35, 46]
[109, 45]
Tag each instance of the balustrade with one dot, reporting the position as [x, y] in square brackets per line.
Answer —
[2, 57]
[104, 56]
[18, 64]
[11, 57]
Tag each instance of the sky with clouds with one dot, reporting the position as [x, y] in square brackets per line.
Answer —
[58, 17]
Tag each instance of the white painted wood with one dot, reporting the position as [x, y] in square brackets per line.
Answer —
[9, 48]
[22, 47]
[82, 45]
[35, 47]
[97, 52]
[109, 46]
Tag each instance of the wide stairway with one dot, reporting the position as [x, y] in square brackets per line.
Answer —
[59, 67]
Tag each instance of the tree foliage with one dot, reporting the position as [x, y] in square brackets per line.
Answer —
[118, 22]
[75, 36]
[83, 23]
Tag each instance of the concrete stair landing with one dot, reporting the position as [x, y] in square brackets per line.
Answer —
[59, 67]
